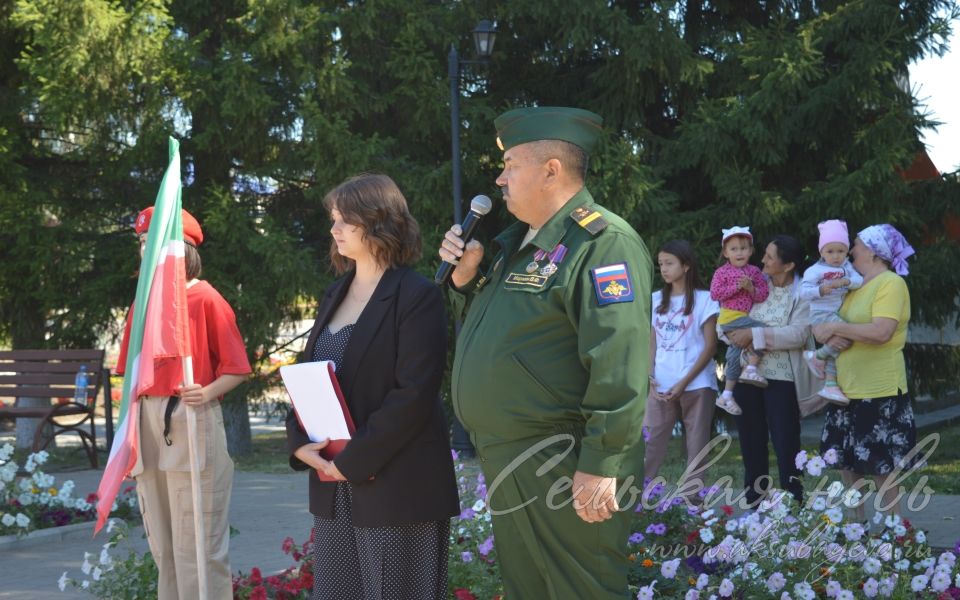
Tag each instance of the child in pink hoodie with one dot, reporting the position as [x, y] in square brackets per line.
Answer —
[737, 286]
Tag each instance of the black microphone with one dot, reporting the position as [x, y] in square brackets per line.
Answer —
[479, 206]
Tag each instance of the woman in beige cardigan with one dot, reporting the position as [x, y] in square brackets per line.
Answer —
[773, 412]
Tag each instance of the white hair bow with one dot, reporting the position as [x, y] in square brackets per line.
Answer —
[735, 230]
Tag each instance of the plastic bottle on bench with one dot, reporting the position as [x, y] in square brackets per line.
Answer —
[80, 386]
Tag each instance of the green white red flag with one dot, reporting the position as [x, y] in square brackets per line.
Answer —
[159, 327]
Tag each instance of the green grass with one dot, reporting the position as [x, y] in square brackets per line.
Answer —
[269, 455]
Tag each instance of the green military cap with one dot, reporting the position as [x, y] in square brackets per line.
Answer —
[521, 125]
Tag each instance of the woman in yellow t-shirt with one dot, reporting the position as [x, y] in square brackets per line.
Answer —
[873, 434]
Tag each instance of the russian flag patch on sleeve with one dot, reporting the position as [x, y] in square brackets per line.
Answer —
[612, 284]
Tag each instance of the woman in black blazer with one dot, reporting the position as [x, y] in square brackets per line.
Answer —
[381, 530]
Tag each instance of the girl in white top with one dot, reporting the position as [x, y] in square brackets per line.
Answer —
[683, 381]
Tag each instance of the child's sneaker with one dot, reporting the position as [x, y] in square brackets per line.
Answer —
[834, 394]
[753, 377]
[817, 365]
[728, 404]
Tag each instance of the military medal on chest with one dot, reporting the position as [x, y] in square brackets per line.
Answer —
[556, 256]
[535, 263]
[553, 259]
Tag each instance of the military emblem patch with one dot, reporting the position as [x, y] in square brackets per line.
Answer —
[612, 284]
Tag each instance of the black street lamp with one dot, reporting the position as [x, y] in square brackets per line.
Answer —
[484, 36]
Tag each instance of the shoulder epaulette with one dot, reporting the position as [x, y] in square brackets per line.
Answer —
[589, 219]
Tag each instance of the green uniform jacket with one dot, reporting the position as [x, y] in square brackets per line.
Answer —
[543, 355]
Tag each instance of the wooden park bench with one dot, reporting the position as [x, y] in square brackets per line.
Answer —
[50, 374]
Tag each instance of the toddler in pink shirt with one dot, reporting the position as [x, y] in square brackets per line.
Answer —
[737, 286]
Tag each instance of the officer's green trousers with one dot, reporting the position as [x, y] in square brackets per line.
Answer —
[546, 551]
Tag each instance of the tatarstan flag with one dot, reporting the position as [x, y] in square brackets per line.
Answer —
[159, 327]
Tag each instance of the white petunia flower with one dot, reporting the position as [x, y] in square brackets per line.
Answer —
[726, 588]
[62, 582]
[706, 535]
[776, 582]
[853, 531]
[940, 581]
[835, 489]
[830, 456]
[834, 514]
[703, 579]
[845, 595]
[871, 565]
[815, 466]
[646, 592]
[887, 585]
[920, 536]
[86, 566]
[96, 573]
[22, 520]
[8, 520]
[833, 588]
[669, 568]
[692, 595]
[870, 588]
[918, 583]
[804, 591]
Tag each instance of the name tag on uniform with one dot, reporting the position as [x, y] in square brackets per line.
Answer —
[518, 281]
[612, 284]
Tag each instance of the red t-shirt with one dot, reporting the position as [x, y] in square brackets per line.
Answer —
[216, 345]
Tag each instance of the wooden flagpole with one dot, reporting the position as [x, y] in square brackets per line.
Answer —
[199, 530]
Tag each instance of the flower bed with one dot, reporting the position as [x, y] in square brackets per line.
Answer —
[676, 550]
[783, 550]
[35, 502]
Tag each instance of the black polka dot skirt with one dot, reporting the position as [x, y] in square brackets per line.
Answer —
[403, 562]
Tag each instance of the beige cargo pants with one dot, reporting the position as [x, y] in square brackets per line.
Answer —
[162, 473]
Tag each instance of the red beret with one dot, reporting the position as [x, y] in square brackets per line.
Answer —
[191, 229]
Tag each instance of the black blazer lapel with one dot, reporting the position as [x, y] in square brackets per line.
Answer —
[368, 325]
[331, 300]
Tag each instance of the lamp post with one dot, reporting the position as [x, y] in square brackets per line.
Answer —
[484, 35]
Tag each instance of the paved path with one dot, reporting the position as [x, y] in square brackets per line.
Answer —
[264, 509]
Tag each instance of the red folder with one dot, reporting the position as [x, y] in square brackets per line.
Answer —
[335, 446]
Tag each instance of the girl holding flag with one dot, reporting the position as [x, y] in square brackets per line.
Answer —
[162, 468]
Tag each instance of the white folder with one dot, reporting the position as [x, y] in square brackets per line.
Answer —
[312, 391]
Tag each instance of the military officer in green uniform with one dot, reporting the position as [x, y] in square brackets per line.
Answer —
[550, 373]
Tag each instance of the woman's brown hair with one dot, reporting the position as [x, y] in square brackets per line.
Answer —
[192, 261]
[683, 251]
[373, 202]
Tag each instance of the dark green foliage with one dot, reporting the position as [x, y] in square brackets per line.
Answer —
[775, 114]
